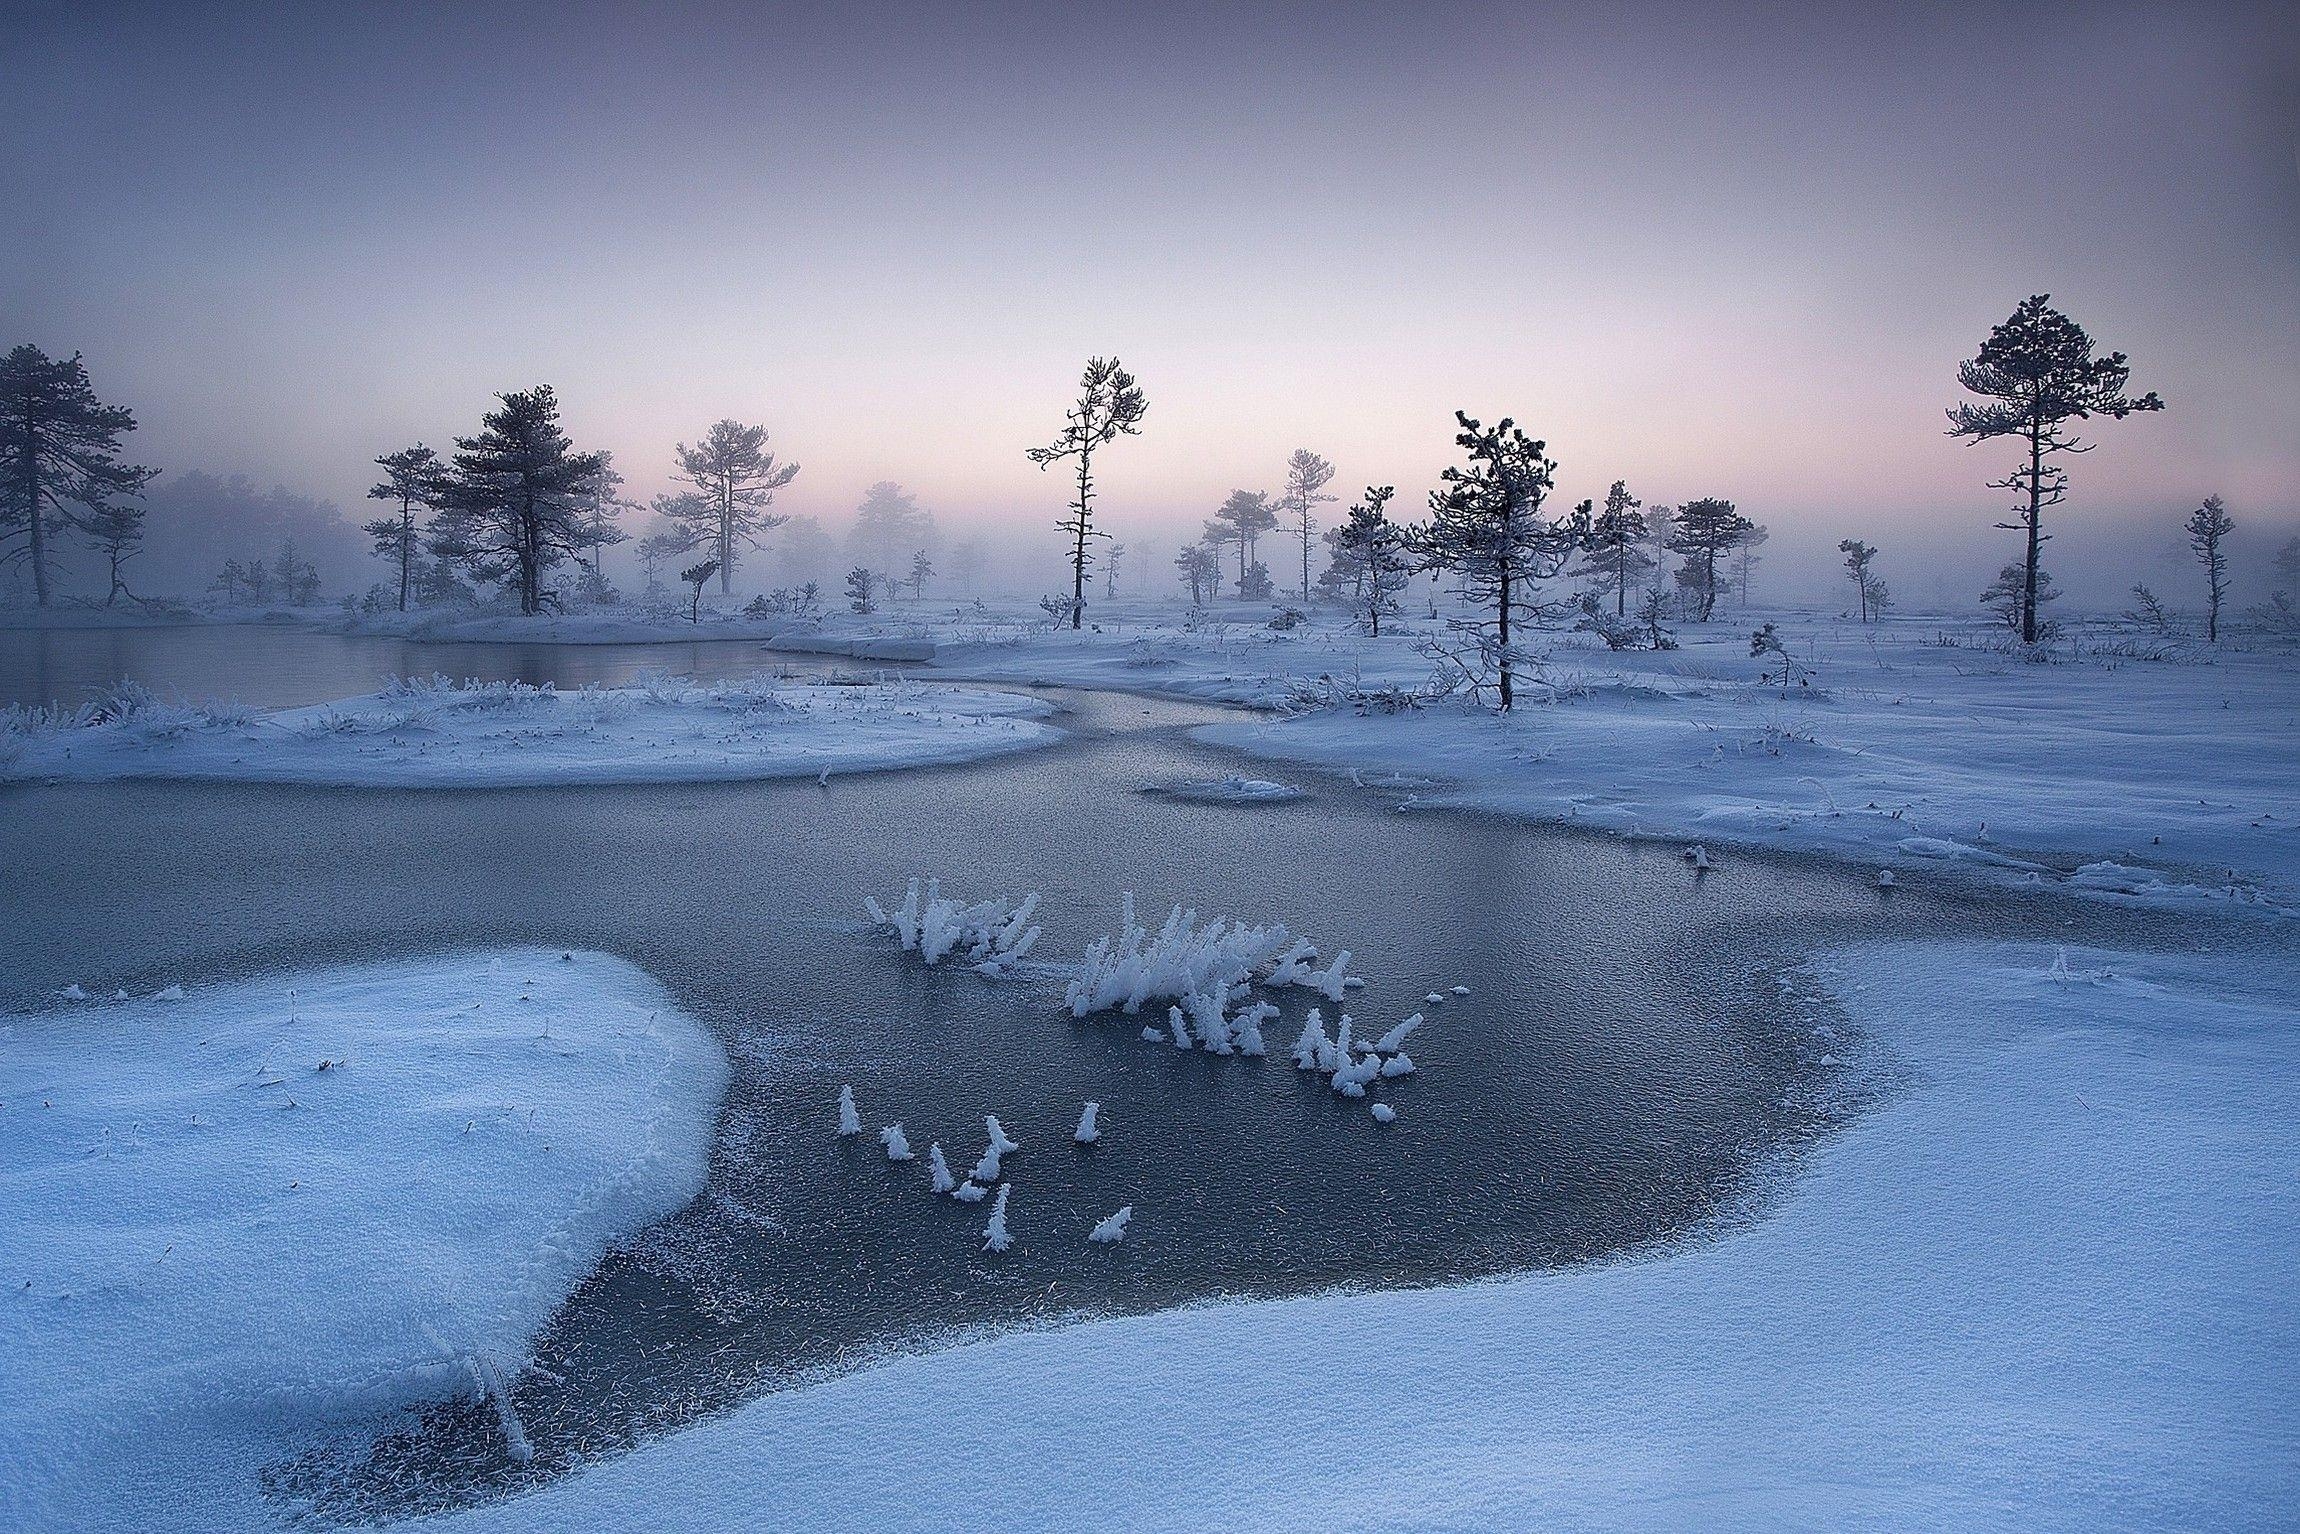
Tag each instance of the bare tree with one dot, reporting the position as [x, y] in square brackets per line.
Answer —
[2208, 527]
[2037, 373]
[1307, 476]
[1110, 405]
[735, 479]
[1486, 526]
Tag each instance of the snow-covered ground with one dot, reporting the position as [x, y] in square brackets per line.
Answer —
[2167, 772]
[234, 1214]
[440, 734]
[2046, 1286]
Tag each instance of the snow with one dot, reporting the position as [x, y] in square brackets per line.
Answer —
[995, 1236]
[1917, 732]
[442, 734]
[850, 1122]
[1112, 1230]
[237, 1218]
[2045, 1285]
[1088, 1131]
[896, 1142]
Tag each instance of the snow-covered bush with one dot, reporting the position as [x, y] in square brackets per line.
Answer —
[993, 934]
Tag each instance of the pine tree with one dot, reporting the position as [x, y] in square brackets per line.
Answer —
[920, 568]
[413, 477]
[735, 478]
[889, 527]
[1615, 552]
[2037, 373]
[59, 457]
[1307, 476]
[115, 529]
[1706, 530]
[516, 491]
[1110, 405]
[1377, 547]
[1201, 567]
[1242, 519]
[1868, 586]
[862, 582]
[2208, 527]
[697, 577]
[2015, 596]
[1487, 527]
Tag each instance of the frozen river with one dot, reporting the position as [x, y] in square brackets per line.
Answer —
[1628, 1069]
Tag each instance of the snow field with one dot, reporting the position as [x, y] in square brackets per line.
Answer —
[268, 1206]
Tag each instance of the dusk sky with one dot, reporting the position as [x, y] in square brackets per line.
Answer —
[1711, 250]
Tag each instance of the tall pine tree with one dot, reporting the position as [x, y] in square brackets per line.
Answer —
[414, 477]
[1614, 553]
[1707, 531]
[1110, 405]
[735, 478]
[517, 493]
[59, 459]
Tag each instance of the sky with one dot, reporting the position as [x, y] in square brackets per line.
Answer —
[1709, 249]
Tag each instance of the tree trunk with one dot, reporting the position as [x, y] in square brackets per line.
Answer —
[2035, 541]
[406, 549]
[1507, 696]
[726, 545]
[1078, 554]
[31, 458]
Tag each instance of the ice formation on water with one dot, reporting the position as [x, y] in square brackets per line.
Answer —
[996, 1237]
[1394, 1040]
[1234, 789]
[1385, 1114]
[1201, 972]
[1351, 1078]
[73, 992]
[896, 1142]
[1112, 1229]
[1314, 1051]
[970, 1192]
[1698, 856]
[986, 1170]
[1435, 998]
[1461, 990]
[994, 935]
[850, 1123]
[172, 993]
[999, 1143]
[939, 1169]
[1088, 1131]
[1399, 1064]
[1884, 878]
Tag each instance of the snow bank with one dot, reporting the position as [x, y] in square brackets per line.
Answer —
[268, 1206]
[2045, 1288]
[443, 734]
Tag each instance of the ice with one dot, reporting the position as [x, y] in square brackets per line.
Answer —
[999, 1143]
[938, 1170]
[1088, 1131]
[896, 1142]
[1114, 1228]
[996, 1237]
[850, 1122]
[986, 1170]
[994, 934]
[970, 1192]
[1384, 1113]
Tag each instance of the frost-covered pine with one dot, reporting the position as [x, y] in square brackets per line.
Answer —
[1112, 1229]
[986, 1170]
[999, 1143]
[850, 1122]
[896, 1142]
[939, 1169]
[970, 1192]
[996, 1237]
[1088, 1131]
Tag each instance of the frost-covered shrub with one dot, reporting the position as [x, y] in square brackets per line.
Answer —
[992, 934]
